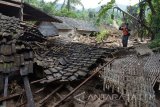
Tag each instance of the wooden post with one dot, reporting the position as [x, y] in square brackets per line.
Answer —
[21, 11]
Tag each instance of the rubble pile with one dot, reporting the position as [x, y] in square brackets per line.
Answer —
[134, 77]
[68, 62]
[16, 54]
[20, 44]
[23, 48]
[15, 51]
[10, 48]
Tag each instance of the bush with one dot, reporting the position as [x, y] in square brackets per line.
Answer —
[102, 35]
[155, 43]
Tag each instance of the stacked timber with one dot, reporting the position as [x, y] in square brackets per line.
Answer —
[134, 78]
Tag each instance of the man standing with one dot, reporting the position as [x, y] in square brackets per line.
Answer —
[126, 34]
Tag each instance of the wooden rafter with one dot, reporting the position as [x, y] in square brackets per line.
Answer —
[10, 4]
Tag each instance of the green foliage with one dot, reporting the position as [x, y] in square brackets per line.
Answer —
[155, 43]
[102, 35]
[70, 3]
[105, 9]
[66, 13]
[48, 8]
[112, 16]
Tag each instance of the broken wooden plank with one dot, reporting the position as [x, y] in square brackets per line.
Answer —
[33, 82]
[91, 76]
[11, 96]
[10, 4]
[39, 90]
[49, 95]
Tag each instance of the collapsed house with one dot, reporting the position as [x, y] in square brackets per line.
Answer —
[69, 26]
[24, 50]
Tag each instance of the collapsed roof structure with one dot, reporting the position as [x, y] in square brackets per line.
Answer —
[12, 8]
[23, 49]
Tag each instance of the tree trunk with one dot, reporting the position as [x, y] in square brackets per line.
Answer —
[68, 5]
[63, 4]
[151, 7]
[153, 14]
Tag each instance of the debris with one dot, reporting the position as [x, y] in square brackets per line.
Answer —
[75, 89]
[49, 95]
[132, 74]
[143, 50]
[11, 96]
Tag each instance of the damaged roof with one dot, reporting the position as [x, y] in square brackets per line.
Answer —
[33, 13]
[12, 8]
[78, 24]
[62, 26]
[68, 62]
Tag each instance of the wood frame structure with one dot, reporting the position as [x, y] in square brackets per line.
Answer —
[30, 13]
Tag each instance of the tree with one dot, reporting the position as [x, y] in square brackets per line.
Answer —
[69, 3]
[104, 9]
[148, 16]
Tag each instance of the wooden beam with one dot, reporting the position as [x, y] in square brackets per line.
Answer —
[13, 1]
[9, 4]
[21, 11]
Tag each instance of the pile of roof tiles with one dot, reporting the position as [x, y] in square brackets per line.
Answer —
[14, 51]
[63, 62]
[134, 78]
[68, 62]
[9, 33]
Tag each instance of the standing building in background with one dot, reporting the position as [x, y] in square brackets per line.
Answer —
[69, 27]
